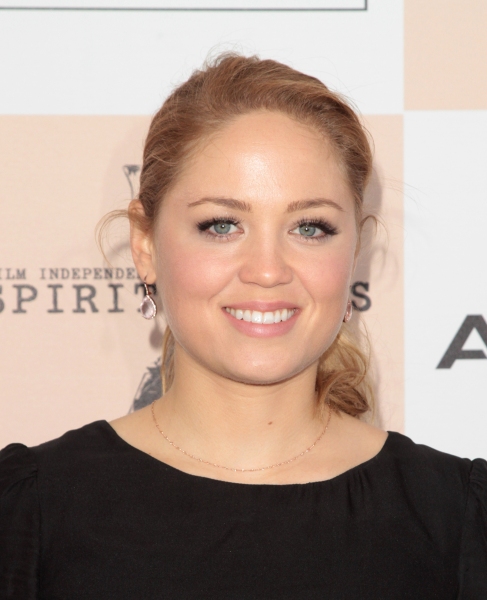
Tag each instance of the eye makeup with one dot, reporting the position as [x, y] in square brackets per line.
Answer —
[205, 226]
[327, 228]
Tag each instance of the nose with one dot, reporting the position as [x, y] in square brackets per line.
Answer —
[264, 263]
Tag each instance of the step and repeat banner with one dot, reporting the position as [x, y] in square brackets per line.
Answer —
[80, 81]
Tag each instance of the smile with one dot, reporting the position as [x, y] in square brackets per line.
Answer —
[262, 318]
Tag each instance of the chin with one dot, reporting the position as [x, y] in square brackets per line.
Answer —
[256, 379]
[262, 373]
[252, 365]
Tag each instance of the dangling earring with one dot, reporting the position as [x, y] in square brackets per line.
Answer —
[148, 307]
[348, 312]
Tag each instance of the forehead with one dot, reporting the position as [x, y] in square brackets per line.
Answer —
[264, 157]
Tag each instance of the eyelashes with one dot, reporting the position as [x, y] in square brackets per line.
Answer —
[327, 228]
[223, 224]
[222, 228]
[205, 225]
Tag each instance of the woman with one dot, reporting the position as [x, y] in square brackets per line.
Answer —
[254, 476]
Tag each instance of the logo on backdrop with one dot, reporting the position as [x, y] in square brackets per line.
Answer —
[59, 295]
[150, 387]
[131, 173]
[455, 350]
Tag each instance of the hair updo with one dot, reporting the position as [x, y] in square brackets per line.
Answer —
[234, 85]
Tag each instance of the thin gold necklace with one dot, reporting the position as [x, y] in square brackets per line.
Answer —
[235, 470]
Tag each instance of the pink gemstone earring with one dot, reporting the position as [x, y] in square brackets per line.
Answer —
[148, 307]
[348, 312]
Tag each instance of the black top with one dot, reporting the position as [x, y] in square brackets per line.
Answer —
[87, 516]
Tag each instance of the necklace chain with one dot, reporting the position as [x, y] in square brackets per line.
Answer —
[236, 470]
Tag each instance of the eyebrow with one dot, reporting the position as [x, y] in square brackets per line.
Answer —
[228, 202]
[313, 203]
[246, 207]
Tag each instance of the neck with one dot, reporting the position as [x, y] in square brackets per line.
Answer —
[236, 424]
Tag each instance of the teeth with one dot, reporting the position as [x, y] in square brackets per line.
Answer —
[257, 317]
[264, 318]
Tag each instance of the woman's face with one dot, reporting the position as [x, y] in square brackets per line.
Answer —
[254, 248]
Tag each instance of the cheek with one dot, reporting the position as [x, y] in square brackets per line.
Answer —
[189, 275]
[327, 284]
[328, 280]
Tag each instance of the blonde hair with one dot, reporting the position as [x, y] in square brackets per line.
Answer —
[230, 86]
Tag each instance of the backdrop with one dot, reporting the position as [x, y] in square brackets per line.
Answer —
[79, 83]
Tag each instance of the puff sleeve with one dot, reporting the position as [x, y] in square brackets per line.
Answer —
[473, 561]
[19, 524]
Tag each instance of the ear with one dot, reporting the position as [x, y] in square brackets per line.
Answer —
[141, 243]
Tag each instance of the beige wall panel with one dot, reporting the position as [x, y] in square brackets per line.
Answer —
[60, 370]
[382, 265]
[445, 54]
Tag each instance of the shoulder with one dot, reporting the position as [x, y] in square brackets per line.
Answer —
[395, 458]
[425, 458]
[89, 437]
[17, 465]
[19, 523]
[61, 475]
[19, 462]
[432, 473]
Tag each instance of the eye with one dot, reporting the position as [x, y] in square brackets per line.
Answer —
[218, 227]
[223, 227]
[314, 229]
[308, 230]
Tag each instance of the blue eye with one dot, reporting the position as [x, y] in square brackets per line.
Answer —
[218, 228]
[316, 229]
[307, 230]
[222, 228]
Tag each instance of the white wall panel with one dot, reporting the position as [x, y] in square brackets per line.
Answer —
[125, 62]
[445, 276]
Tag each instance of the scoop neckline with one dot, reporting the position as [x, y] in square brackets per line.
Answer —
[210, 480]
